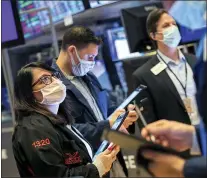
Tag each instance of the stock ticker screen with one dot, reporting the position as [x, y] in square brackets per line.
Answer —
[33, 23]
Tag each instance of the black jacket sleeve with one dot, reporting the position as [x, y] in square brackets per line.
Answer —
[145, 100]
[196, 167]
[93, 131]
[43, 149]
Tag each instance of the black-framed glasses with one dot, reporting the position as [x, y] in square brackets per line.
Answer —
[47, 79]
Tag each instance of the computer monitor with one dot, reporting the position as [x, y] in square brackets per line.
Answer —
[97, 3]
[118, 43]
[33, 23]
[119, 49]
[134, 22]
[11, 28]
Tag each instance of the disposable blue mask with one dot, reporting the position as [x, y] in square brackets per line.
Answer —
[83, 67]
[171, 36]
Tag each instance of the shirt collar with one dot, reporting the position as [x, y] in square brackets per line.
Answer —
[168, 60]
[69, 77]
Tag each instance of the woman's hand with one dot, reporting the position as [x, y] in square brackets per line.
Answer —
[104, 160]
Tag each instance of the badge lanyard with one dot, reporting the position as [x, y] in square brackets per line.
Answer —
[186, 74]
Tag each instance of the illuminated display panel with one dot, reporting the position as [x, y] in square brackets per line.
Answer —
[97, 3]
[33, 23]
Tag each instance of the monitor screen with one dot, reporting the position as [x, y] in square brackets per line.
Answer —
[118, 43]
[119, 49]
[122, 48]
[11, 29]
[97, 3]
[34, 22]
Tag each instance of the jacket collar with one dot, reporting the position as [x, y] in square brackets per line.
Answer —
[166, 81]
[168, 60]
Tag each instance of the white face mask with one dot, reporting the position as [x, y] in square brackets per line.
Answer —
[171, 36]
[83, 67]
[54, 93]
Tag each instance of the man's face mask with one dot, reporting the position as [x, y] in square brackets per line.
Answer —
[83, 67]
[171, 36]
[190, 14]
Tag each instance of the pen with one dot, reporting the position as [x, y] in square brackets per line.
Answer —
[143, 120]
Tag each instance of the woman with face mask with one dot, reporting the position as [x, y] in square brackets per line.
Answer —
[46, 144]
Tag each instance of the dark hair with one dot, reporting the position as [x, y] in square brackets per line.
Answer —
[152, 20]
[24, 100]
[80, 37]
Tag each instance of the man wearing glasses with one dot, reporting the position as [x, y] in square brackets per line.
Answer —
[87, 100]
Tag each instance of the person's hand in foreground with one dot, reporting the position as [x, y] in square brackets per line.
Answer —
[172, 134]
[164, 165]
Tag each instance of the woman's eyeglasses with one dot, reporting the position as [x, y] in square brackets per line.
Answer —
[47, 79]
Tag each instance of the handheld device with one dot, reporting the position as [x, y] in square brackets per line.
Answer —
[138, 144]
[130, 98]
[116, 126]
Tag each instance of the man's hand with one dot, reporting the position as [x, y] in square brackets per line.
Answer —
[164, 165]
[173, 134]
[115, 116]
[131, 117]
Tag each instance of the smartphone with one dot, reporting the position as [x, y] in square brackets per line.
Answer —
[116, 126]
[130, 98]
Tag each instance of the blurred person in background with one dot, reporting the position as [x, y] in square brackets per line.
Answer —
[45, 142]
[177, 135]
[86, 100]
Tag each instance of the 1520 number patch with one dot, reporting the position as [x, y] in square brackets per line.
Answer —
[40, 143]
